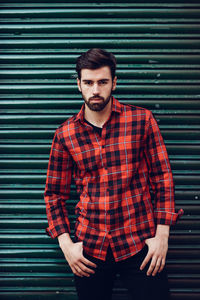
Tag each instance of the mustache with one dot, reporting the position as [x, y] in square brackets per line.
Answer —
[96, 98]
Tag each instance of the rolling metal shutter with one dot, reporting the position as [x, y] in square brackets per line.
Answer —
[158, 52]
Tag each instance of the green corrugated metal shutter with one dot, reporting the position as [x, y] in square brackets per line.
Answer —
[158, 54]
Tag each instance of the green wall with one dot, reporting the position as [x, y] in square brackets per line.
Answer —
[157, 47]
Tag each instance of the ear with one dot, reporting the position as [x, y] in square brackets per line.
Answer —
[114, 83]
[79, 84]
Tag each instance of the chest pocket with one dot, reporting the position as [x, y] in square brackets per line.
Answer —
[86, 154]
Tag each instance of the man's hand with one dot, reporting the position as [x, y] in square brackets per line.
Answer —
[158, 247]
[77, 262]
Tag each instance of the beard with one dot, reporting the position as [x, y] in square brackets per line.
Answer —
[97, 106]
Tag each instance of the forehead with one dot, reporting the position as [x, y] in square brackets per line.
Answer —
[97, 74]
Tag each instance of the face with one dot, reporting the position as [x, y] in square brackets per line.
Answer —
[96, 87]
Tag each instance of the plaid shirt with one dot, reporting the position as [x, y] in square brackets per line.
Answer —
[123, 179]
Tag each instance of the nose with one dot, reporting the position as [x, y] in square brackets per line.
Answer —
[96, 89]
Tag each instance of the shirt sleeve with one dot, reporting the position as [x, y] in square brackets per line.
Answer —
[160, 176]
[57, 188]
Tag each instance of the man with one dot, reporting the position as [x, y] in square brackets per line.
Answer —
[115, 153]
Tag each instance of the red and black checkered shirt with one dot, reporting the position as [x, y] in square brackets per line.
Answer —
[123, 179]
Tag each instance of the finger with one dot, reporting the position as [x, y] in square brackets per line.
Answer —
[81, 272]
[76, 272]
[88, 262]
[152, 265]
[158, 263]
[162, 265]
[145, 261]
[85, 269]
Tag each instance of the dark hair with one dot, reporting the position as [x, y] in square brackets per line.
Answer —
[96, 58]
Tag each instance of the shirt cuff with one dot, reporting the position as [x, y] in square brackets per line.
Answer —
[166, 217]
[53, 232]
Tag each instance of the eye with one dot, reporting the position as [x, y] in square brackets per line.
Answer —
[88, 82]
[102, 82]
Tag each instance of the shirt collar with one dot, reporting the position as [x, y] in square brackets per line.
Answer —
[116, 107]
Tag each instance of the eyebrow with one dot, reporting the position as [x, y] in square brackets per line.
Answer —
[103, 79]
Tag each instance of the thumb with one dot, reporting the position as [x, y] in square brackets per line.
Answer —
[147, 242]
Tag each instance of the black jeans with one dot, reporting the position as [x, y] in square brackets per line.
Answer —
[140, 286]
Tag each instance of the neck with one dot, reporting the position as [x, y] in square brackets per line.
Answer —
[98, 118]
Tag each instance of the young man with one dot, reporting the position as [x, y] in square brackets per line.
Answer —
[116, 153]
